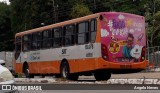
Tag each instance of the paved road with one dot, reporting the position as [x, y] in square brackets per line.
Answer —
[137, 75]
[132, 76]
[118, 76]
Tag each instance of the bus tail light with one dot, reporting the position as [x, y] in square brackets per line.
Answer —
[104, 52]
[143, 54]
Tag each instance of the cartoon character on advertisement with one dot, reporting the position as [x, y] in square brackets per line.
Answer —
[114, 46]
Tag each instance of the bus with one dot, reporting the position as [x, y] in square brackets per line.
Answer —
[99, 44]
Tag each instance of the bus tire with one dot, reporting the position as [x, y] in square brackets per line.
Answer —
[31, 75]
[43, 76]
[57, 76]
[74, 77]
[65, 72]
[26, 71]
[102, 75]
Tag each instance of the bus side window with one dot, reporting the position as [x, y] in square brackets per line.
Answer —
[27, 42]
[69, 35]
[17, 47]
[93, 28]
[47, 39]
[57, 37]
[36, 40]
[83, 33]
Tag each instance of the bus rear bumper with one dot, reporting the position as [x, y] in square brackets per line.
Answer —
[124, 67]
[129, 65]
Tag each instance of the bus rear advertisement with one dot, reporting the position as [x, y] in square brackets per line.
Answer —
[99, 44]
[123, 38]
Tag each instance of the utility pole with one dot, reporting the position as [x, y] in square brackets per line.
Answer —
[55, 15]
[94, 4]
[146, 24]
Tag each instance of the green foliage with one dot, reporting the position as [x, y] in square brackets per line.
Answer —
[152, 15]
[29, 14]
[23, 15]
[79, 10]
[6, 36]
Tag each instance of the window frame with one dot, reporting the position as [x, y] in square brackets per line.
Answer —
[18, 47]
[85, 32]
[47, 40]
[18, 42]
[37, 40]
[59, 37]
[95, 29]
[28, 42]
[71, 35]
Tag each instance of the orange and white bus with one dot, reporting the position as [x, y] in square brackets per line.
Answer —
[97, 44]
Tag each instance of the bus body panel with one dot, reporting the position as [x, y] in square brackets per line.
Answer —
[49, 60]
[18, 67]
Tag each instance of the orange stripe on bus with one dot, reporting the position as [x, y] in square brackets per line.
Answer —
[79, 65]
[18, 67]
[44, 67]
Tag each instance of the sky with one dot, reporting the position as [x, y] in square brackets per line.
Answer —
[7, 1]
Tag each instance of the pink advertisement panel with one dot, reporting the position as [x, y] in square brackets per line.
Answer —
[123, 35]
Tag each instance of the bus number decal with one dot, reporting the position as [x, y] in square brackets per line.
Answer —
[64, 51]
[89, 55]
[90, 46]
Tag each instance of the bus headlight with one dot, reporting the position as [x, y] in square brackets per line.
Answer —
[6, 76]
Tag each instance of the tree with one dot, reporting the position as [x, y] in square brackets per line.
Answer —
[129, 6]
[29, 14]
[6, 36]
[152, 16]
[65, 8]
[79, 10]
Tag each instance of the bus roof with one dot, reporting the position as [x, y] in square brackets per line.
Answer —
[57, 24]
[70, 22]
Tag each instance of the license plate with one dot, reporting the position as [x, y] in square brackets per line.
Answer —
[125, 66]
[123, 59]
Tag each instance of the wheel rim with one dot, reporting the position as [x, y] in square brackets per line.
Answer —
[64, 71]
[27, 70]
[26, 73]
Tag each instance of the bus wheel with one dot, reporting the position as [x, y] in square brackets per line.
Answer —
[65, 72]
[26, 69]
[31, 75]
[102, 75]
[74, 77]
